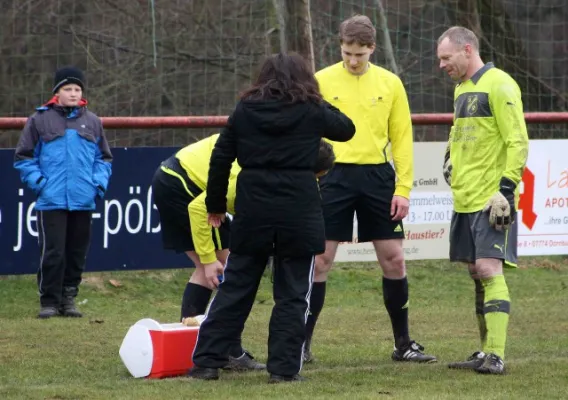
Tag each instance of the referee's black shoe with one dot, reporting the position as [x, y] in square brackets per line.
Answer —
[412, 352]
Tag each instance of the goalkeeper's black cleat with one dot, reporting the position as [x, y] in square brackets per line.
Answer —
[473, 362]
[245, 362]
[412, 352]
[492, 364]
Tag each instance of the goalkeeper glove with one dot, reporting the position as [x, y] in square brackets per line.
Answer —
[501, 206]
[448, 168]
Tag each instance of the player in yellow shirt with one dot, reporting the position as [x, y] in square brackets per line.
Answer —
[178, 188]
[484, 162]
[363, 180]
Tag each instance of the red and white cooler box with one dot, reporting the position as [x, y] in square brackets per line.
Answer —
[154, 350]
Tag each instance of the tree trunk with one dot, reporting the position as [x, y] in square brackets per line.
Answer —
[295, 23]
[282, 17]
[383, 27]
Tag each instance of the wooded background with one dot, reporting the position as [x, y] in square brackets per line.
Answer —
[192, 57]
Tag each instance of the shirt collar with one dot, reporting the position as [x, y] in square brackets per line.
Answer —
[477, 76]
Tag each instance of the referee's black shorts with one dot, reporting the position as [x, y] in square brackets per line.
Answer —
[173, 191]
[366, 190]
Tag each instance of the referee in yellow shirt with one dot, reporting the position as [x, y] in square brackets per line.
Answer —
[364, 181]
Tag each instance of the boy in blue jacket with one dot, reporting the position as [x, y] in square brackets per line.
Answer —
[64, 158]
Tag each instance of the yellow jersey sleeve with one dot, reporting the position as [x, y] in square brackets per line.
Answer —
[508, 109]
[401, 139]
[232, 189]
[201, 231]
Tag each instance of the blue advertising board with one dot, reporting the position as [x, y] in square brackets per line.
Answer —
[125, 230]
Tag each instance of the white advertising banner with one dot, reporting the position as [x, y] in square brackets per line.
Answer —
[543, 228]
[543, 208]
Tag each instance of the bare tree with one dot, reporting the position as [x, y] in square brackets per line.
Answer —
[384, 29]
[499, 42]
[294, 18]
[193, 57]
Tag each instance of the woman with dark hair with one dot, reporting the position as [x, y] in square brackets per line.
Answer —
[275, 134]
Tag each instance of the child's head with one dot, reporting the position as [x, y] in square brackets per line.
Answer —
[68, 86]
[326, 159]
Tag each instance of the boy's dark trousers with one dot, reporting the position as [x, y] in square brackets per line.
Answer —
[222, 328]
[64, 238]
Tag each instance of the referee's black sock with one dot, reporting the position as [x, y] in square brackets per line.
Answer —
[195, 300]
[395, 295]
[317, 299]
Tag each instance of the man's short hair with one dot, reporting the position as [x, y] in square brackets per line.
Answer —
[326, 157]
[460, 36]
[358, 29]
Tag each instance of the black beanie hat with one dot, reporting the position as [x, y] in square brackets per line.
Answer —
[66, 75]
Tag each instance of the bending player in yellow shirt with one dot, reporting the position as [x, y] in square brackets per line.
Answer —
[484, 163]
[363, 180]
[179, 192]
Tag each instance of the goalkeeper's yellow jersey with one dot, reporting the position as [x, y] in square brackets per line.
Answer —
[377, 104]
[195, 161]
[488, 139]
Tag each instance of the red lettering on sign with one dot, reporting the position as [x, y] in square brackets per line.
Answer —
[562, 182]
[526, 199]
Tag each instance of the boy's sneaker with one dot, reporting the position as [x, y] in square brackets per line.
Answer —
[246, 362]
[70, 310]
[47, 312]
[473, 362]
[493, 364]
[412, 352]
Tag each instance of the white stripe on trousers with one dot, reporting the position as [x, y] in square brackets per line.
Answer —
[308, 296]
[42, 251]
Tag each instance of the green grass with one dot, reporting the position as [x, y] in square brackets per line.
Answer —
[78, 358]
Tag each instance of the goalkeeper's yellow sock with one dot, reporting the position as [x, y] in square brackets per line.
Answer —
[479, 299]
[496, 310]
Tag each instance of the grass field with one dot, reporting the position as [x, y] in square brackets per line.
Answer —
[78, 358]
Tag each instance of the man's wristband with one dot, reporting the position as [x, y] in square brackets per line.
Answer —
[507, 187]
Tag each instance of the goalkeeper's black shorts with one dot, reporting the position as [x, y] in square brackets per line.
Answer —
[472, 238]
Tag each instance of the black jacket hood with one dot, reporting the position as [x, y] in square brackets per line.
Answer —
[274, 117]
